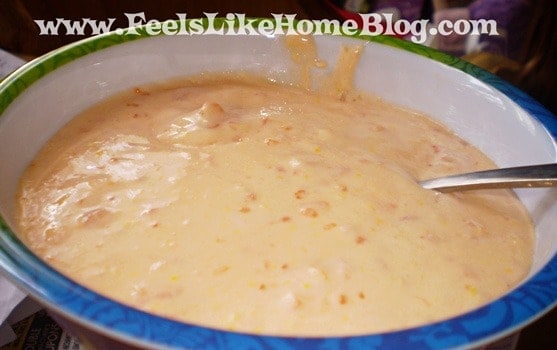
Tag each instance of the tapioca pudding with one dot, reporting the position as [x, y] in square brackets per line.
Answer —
[238, 203]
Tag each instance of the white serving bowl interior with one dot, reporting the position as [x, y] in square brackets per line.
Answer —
[477, 111]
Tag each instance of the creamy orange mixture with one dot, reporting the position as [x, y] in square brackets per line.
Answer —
[247, 205]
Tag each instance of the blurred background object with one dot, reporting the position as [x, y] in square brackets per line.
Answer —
[524, 52]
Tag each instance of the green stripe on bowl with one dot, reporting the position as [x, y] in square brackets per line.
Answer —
[13, 85]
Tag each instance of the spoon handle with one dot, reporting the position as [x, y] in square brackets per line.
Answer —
[544, 175]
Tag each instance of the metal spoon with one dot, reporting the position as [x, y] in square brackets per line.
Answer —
[544, 175]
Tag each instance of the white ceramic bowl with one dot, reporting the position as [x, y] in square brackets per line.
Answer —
[506, 124]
